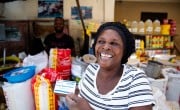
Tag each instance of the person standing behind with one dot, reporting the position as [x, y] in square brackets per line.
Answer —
[59, 39]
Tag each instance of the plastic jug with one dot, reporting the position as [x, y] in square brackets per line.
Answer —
[156, 27]
[141, 27]
[134, 27]
[148, 26]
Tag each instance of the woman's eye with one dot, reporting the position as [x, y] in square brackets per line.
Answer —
[114, 43]
[101, 42]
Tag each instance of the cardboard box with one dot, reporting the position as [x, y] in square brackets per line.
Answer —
[64, 87]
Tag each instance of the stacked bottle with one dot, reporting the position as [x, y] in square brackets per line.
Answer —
[156, 27]
[148, 26]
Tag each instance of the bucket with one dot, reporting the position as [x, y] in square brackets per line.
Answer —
[19, 96]
[153, 69]
[17, 90]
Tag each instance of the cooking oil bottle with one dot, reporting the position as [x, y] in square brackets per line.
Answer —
[148, 26]
[141, 27]
[156, 27]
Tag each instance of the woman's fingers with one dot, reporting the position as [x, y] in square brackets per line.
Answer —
[71, 101]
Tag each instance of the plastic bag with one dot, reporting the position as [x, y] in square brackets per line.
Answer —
[39, 60]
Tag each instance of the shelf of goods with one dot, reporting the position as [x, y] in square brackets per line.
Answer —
[154, 44]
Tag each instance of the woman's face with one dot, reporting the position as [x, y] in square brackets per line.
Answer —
[109, 49]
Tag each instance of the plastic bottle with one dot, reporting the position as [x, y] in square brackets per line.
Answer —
[148, 26]
[156, 27]
[134, 27]
[141, 27]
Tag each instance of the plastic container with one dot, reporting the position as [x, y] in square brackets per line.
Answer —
[156, 27]
[153, 69]
[141, 27]
[134, 27]
[20, 74]
[19, 96]
[148, 26]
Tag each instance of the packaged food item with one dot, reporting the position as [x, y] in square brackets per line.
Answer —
[60, 60]
[64, 87]
[165, 29]
[44, 97]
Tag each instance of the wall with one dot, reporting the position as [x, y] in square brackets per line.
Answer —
[132, 10]
[27, 10]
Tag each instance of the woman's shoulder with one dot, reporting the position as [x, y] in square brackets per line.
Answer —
[133, 70]
[93, 66]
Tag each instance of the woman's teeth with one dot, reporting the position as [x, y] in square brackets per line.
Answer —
[106, 55]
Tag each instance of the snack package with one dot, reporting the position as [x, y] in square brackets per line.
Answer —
[60, 60]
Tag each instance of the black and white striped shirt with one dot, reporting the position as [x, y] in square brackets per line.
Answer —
[132, 90]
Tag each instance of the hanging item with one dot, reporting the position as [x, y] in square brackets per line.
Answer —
[85, 49]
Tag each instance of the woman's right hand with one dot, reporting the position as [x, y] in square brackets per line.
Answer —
[77, 103]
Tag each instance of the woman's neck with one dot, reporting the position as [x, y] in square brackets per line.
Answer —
[111, 73]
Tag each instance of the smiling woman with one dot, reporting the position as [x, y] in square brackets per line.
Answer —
[111, 83]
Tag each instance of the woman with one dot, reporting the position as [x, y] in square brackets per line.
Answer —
[111, 84]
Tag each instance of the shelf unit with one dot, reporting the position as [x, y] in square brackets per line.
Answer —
[17, 40]
[156, 44]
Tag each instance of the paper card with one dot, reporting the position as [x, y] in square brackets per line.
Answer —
[65, 87]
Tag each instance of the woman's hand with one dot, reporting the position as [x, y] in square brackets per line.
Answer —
[77, 103]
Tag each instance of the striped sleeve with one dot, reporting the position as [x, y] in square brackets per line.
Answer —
[140, 91]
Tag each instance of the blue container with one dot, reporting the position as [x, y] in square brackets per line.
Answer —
[20, 74]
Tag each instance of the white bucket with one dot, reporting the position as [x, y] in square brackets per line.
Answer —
[19, 96]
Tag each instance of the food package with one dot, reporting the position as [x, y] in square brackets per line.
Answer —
[60, 60]
[44, 97]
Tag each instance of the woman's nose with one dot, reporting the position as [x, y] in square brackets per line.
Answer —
[106, 46]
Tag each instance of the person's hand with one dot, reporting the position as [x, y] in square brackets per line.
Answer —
[77, 103]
